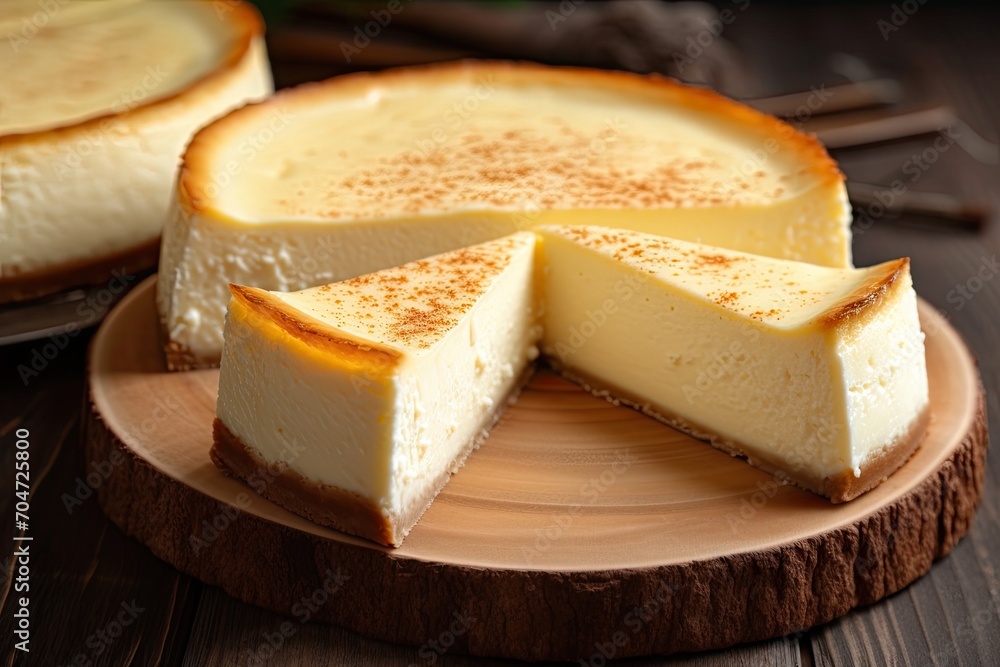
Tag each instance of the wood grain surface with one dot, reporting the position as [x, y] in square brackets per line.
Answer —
[87, 568]
[578, 524]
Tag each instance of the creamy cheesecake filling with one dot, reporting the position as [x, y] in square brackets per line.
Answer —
[452, 394]
[394, 430]
[882, 363]
[365, 172]
[279, 393]
[707, 366]
[741, 346]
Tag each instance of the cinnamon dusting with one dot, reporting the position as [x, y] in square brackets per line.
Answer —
[412, 305]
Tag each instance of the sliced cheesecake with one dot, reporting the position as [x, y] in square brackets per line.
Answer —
[352, 404]
[97, 102]
[333, 180]
[813, 373]
[355, 402]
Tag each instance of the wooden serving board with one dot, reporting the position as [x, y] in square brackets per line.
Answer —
[579, 530]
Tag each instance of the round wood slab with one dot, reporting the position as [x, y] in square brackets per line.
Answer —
[579, 530]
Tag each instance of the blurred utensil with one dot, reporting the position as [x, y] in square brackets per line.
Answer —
[831, 99]
[64, 313]
[870, 127]
[944, 210]
[44, 317]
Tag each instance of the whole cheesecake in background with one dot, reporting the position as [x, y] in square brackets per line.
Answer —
[359, 399]
[369, 171]
[97, 102]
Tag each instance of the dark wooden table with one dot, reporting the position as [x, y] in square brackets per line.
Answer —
[99, 598]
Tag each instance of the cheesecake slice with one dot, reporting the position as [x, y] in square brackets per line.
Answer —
[362, 172]
[97, 102]
[812, 373]
[352, 404]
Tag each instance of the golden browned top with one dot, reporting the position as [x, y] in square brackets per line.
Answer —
[310, 331]
[781, 293]
[84, 65]
[881, 280]
[412, 306]
[495, 136]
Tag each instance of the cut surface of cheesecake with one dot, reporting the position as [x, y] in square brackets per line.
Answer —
[97, 104]
[368, 394]
[367, 171]
[813, 373]
[362, 397]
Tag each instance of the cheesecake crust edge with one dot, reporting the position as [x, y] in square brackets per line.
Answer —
[336, 508]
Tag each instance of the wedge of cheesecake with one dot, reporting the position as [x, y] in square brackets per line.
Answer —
[359, 173]
[812, 373]
[356, 401]
[97, 102]
[352, 404]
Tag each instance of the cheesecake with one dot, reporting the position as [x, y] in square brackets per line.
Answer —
[97, 102]
[813, 373]
[359, 173]
[353, 403]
